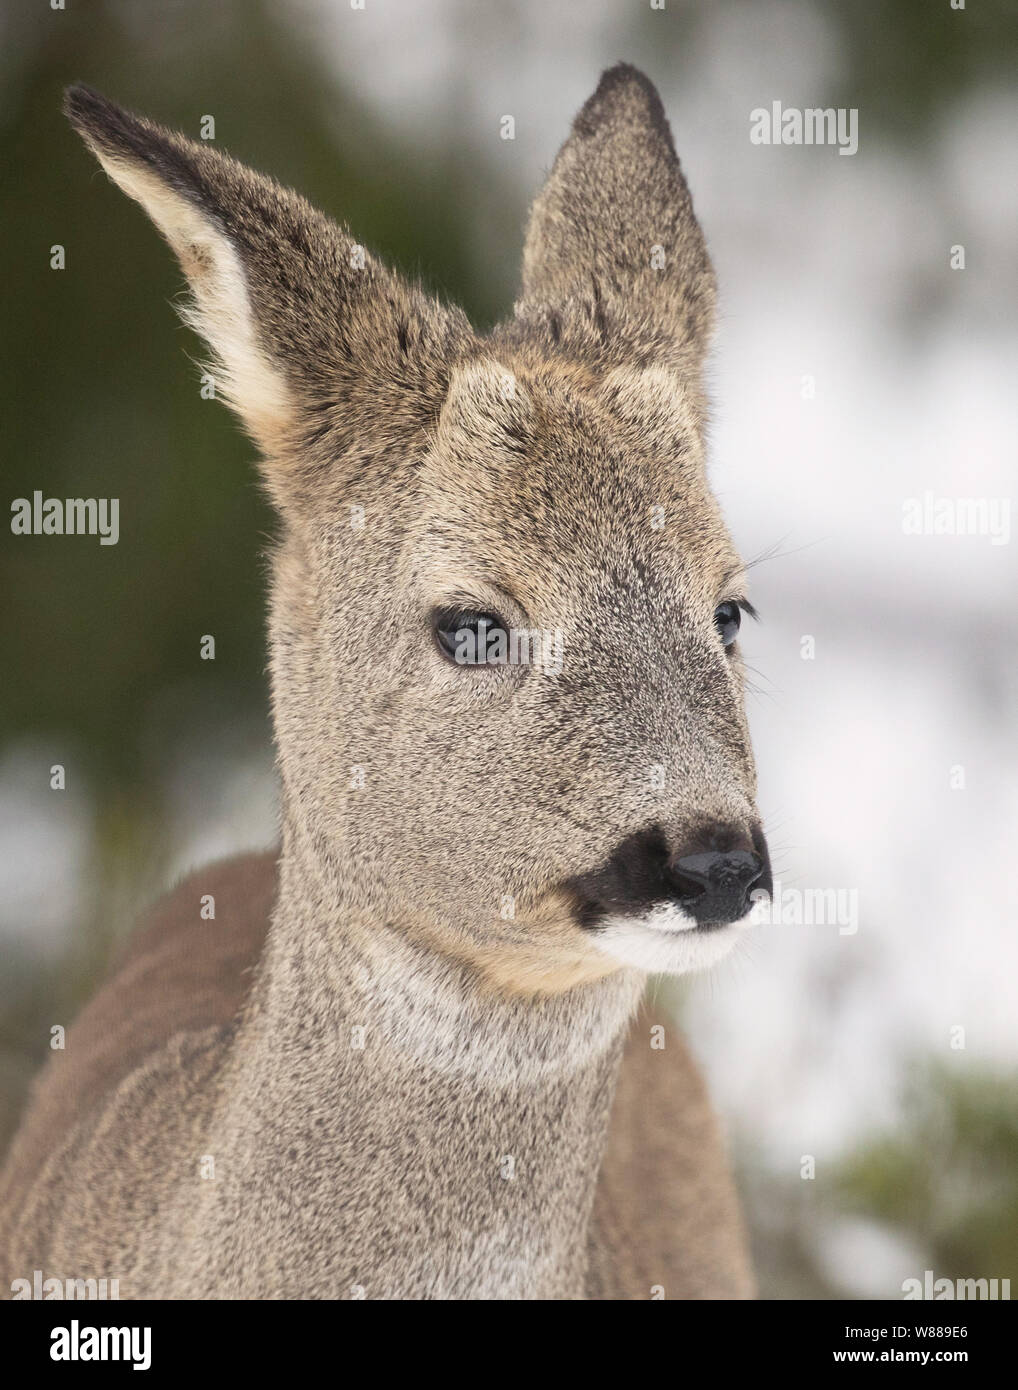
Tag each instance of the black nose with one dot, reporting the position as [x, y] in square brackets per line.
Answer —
[710, 875]
[713, 886]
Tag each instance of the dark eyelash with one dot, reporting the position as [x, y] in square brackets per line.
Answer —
[748, 608]
[454, 618]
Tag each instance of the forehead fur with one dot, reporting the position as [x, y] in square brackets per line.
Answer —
[539, 476]
[655, 401]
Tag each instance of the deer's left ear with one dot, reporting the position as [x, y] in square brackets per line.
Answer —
[615, 264]
[307, 329]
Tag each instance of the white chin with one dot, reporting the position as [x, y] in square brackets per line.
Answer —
[665, 941]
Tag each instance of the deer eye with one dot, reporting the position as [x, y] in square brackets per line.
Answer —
[727, 618]
[471, 639]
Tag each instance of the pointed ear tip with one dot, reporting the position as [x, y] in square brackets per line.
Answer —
[101, 123]
[618, 83]
[624, 75]
[84, 107]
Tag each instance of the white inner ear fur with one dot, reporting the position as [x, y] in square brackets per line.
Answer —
[221, 308]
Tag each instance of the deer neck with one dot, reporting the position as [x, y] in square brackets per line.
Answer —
[452, 1134]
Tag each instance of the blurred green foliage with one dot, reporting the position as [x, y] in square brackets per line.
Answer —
[943, 1181]
[946, 1175]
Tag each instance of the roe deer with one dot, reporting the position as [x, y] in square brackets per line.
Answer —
[396, 1064]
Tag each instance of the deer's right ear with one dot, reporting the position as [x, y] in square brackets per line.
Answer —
[615, 265]
[303, 324]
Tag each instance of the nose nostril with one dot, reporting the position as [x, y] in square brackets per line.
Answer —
[687, 889]
[714, 886]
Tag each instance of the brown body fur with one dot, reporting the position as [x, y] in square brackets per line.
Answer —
[665, 1213]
